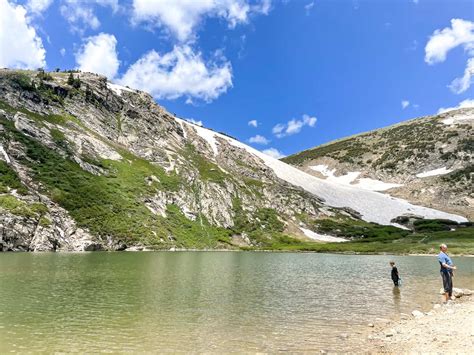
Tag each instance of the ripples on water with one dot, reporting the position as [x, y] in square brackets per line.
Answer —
[205, 301]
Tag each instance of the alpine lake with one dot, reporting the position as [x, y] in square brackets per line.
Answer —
[207, 301]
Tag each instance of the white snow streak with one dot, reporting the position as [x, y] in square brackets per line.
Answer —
[206, 134]
[440, 171]
[7, 158]
[322, 237]
[373, 206]
[458, 118]
[375, 185]
[118, 88]
[351, 178]
[323, 169]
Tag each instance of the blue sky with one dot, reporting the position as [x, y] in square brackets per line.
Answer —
[306, 71]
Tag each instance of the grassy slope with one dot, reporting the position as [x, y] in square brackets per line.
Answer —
[112, 205]
[109, 205]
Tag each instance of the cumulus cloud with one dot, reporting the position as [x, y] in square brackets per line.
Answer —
[258, 139]
[181, 17]
[253, 123]
[98, 55]
[274, 153]
[20, 46]
[81, 14]
[405, 104]
[38, 6]
[181, 72]
[293, 126]
[459, 85]
[461, 33]
[469, 103]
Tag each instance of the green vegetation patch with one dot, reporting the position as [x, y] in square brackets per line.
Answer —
[192, 234]
[349, 228]
[113, 205]
[347, 150]
[263, 226]
[372, 239]
[208, 171]
[9, 179]
[20, 208]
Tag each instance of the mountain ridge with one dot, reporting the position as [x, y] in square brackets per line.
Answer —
[89, 165]
[410, 159]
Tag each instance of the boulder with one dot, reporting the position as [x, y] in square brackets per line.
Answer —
[467, 292]
[417, 314]
[457, 292]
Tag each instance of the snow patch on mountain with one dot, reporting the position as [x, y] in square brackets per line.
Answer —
[118, 88]
[351, 178]
[373, 206]
[435, 172]
[457, 118]
[322, 237]
[375, 185]
[5, 155]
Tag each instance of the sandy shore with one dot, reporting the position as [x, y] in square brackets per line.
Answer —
[445, 329]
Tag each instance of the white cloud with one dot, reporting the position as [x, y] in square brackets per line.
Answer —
[253, 123]
[20, 46]
[405, 104]
[308, 7]
[38, 6]
[274, 153]
[181, 17]
[181, 72]
[459, 85]
[293, 126]
[258, 139]
[62, 51]
[81, 14]
[463, 104]
[461, 33]
[98, 55]
[278, 129]
[415, 1]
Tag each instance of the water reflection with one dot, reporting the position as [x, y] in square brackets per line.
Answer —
[396, 299]
[201, 301]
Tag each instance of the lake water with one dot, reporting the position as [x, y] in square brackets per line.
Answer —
[206, 301]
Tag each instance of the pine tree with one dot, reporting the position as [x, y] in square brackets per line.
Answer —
[70, 79]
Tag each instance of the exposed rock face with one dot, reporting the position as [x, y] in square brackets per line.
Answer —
[428, 161]
[103, 167]
[168, 164]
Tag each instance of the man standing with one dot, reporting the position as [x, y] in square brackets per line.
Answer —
[447, 268]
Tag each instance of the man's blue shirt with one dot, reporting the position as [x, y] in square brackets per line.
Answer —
[443, 258]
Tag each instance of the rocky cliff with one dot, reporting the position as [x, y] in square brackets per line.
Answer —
[89, 165]
[428, 161]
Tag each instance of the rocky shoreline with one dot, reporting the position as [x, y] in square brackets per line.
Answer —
[447, 328]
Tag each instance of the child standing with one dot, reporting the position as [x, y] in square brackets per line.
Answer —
[395, 277]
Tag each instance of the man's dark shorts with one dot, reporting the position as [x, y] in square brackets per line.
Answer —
[447, 282]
